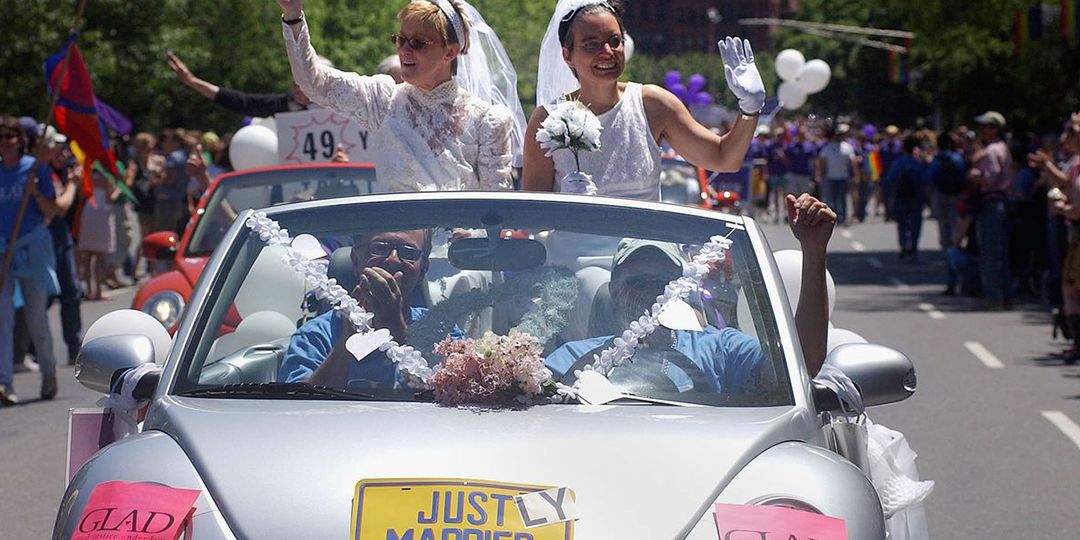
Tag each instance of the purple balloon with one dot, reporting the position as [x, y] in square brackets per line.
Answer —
[696, 83]
[672, 78]
[703, 98]
[869, 130]
[679, 89]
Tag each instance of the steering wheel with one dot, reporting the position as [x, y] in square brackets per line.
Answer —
[642, 373]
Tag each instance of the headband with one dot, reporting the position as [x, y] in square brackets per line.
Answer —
[455, 19]
[554, 78]
[569, 17]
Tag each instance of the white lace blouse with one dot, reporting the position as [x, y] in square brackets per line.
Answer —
[443, 139]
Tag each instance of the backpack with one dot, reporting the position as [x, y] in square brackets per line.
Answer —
[950, 178]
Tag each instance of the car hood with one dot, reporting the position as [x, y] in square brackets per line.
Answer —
[288, 469]
[191, 267]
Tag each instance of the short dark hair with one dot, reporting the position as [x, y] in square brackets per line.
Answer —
[612, 6]
[12, 123]
[911, 142]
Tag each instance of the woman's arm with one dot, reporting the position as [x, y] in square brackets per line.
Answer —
[812, 223]
[538, 170]
[495, 157]
[671, 120]
[348, 93]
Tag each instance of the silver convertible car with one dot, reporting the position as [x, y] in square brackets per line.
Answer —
[407, 406]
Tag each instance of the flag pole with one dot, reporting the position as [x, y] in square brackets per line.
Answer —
[9, 253]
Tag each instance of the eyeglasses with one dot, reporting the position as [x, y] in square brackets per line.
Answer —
[594, 46]
[416, 44]
[381, 248]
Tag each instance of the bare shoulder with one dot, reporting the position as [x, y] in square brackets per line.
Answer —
[658, 96]
[538, 115]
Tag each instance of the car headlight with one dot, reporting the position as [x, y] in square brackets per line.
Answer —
[166, 307]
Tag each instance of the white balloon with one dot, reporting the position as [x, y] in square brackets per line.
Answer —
[253, 146]
[789, 261]
[267, 123]
[788, 64]
[271, 285]
[840, 336]
[127, 322]
[790, 95]
[814, 76]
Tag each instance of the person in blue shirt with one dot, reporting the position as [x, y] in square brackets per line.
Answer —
[731, 362]
[33, 266]
[908, 181]
[389, 266]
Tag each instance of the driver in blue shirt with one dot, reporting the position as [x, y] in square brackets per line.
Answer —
[731, 361]
[389, 267]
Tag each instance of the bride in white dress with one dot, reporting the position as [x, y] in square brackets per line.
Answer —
[451, 125]
[582, 57]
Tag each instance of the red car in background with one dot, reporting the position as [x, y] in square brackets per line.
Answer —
[165, 295]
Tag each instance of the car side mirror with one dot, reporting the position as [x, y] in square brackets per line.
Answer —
[102, 361]
[882, 375]
[160, 246]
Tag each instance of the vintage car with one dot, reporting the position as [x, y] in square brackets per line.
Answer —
[165, 295]
[714, 406]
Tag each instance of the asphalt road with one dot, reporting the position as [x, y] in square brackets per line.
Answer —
[994, 420]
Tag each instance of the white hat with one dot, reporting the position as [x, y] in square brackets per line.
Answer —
[53, 138]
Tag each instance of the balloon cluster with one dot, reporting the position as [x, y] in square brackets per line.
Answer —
[691, 93]
[799, 78]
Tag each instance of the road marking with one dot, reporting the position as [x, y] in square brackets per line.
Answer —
[899, 284]
[1065, 424]
[845, 233]
[857, 245]
[931, 311]
[875, 262]
[986, 357]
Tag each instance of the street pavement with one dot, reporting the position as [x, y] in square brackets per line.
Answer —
[994, 419]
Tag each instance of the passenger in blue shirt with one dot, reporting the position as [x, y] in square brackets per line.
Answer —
[389, 266]
[731, 362]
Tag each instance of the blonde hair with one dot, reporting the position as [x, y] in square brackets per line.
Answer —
[429, 14]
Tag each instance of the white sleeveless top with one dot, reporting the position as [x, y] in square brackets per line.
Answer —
[628, 162]
[442, 139]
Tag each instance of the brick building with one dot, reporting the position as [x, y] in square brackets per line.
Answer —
[674, 26]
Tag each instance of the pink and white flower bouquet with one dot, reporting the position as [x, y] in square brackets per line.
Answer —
[493, 370]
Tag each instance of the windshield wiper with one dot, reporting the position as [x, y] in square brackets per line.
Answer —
[288, 390]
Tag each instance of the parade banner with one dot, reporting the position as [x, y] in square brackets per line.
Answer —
[136, 511]
[312, 136]
[755, 522]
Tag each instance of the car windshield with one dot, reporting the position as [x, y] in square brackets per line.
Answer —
[454, 273]
[261, 189]
[679, 183]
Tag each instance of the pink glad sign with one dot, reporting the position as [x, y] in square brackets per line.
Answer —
[748, 522]
[136, 511]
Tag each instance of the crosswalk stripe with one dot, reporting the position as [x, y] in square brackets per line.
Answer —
[984, 355]
[1065, 424]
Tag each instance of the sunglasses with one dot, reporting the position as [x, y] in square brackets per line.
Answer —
[593, 46]
[380, 248]
[416, 44]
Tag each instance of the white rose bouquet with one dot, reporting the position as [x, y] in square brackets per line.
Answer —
[572, 126]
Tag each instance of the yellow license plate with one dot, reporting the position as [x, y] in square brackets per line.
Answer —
[446, 509]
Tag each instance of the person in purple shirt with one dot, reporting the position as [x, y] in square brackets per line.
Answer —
[34, 262]
[799, 157]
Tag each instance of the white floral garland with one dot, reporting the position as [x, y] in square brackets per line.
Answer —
[678, 289]
[326, 288]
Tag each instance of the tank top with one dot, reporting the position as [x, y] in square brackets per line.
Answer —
[628, 162]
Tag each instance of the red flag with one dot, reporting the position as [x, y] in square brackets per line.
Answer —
[76, 109]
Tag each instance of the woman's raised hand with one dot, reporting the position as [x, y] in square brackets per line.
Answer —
[742, 75]
[290, 9]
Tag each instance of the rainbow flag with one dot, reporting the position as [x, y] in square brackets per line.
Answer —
[872, 165]
[76, 109]
[1070, 25]
[1027, 25]
[897, 68]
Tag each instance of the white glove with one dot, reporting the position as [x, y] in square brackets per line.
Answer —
[742, 75]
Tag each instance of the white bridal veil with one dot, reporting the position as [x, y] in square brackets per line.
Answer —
[485, 70]
[554, 78]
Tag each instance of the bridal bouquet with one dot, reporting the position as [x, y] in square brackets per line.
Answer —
[572, 126]
[493, 370]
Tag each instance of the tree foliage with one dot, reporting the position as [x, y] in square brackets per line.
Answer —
[963, 59]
